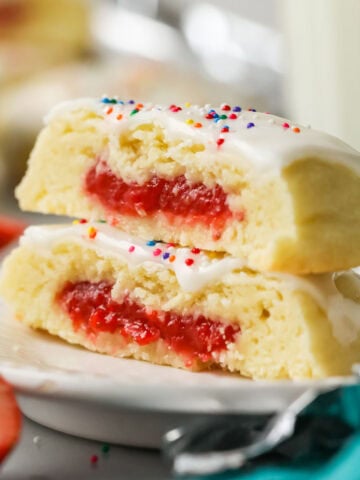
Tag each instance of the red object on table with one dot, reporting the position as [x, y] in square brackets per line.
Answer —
[10, 419]
[10, 230]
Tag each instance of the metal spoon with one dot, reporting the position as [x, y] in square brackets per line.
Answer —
[280, 427]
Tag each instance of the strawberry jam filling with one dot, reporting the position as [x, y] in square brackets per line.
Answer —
[91, 307]
[193, 202]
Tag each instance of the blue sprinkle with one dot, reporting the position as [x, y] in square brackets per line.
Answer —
[252, 110]
[105, 100]
[237, 109]
[151, 243]
[212, 111]
[217, 119]
[166, 255]
[226, 126]
[250, 125]
[121, 102]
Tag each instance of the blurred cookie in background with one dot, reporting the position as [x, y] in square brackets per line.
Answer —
[36, 34]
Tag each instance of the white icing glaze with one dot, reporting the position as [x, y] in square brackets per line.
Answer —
[112, 242]
[343, 313]
[268, 145]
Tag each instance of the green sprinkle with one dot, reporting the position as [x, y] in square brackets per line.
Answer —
[223, 117]
[105, 448]
[134, 111]
[102, 221]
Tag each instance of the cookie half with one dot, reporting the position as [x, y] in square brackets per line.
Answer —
[279, 196]
[94, 286]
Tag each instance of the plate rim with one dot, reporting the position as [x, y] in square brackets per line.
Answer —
[219, 393]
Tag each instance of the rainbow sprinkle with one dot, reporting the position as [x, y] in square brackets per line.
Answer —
[92, 232]
[236, 114]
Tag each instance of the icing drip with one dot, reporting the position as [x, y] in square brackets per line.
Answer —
[193, 269]
[269, 142]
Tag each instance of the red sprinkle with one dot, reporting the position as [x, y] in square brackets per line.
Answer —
[233, 116]
[157, 252]
[225, 107]
[82, 220]
[220, 141]
[94, 459]
[175, 108]
[189, 261]
[286, 125]
[209, 116]
[131, 248]
[224, 130]
[195, 250]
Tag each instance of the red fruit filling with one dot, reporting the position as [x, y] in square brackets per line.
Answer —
[91, 307]
[192, 202]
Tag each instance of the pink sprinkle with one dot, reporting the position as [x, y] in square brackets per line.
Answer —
[175, 108]
[157, 252]
[286, 125]
[131, 248]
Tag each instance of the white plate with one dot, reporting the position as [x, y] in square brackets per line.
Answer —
[123, 401]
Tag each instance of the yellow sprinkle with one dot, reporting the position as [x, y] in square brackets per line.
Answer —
[75, 222]
[92, 232]
[189, 121]
[187, 104]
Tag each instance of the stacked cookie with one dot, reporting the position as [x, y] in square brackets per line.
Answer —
[207, 238]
